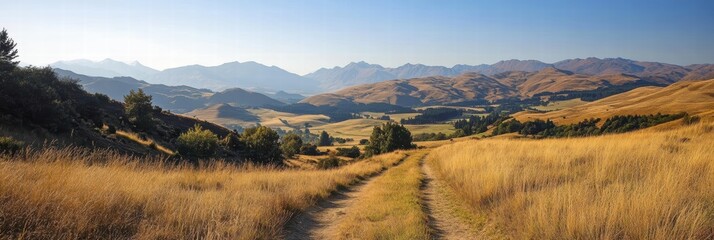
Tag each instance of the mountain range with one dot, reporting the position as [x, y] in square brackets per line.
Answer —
[246, 75]
[261, 78]
[357, 73]
[607, 77]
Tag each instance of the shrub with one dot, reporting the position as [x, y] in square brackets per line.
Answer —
[310, 150]
[262, 145]
[197, 142]
[290, 145]
[363, 142]
[689, 120]
[352, 152]
[328, 162]
[9, 145]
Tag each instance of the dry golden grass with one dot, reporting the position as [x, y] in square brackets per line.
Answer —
[642, 185]
[693, 97]
[147, 143]
[72, 194]
[557, 105]
[389, 208]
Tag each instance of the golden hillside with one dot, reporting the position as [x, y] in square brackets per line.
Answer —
[694, 97]
[419, 91]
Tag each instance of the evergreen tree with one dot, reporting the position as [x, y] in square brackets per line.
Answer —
[8, 53]
[325, 139]
[137, 106]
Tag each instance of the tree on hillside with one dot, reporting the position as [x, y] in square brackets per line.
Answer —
[389, 137]
[8, 53]
[325, 139]
[290, 145]
[261, 145]
[137, 106]
[197, 142]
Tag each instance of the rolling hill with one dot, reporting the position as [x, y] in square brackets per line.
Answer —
[418, 91]
[693, 97]
[548, 81]
[357, 73]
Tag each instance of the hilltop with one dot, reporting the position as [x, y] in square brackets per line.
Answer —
[693, 97]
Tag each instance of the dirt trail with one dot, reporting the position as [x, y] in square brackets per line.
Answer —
[443, 218]
[320, 221]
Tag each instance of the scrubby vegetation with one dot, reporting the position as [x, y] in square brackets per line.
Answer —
[588, 127]
[387, 138]
[197, 142]
[351, 152]
[137, 106]
[290, 145]
[9, 145]
[645, 185]
[261, 145]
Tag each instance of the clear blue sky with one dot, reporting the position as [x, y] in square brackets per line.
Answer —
[302, 36]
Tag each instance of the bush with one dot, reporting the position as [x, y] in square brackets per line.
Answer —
[352, 152]
[363, 142]
[262, 145]
[689, 120]
[290, 145]
[310, 150]
[197, 142]
[328, 162]
[9, 145]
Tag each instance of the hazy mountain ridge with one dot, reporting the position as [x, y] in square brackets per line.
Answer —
[362, 73]
[247, 75]
[174, 98]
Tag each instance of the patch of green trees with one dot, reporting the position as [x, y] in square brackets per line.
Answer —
[387, 138]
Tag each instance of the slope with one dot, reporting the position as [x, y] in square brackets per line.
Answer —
[693, 97]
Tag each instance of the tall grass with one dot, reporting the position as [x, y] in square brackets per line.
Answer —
[389, 208]
[646, 185]
[73, 193]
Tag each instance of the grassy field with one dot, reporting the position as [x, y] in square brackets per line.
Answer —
[557, 105]
[642, 185]
[71, 193]
[390, 207]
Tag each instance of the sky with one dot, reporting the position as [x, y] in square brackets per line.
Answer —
[303, 36]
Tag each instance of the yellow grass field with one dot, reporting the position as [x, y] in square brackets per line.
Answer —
[642, 185]
[389, 207]
[557, 105]
[79, 194]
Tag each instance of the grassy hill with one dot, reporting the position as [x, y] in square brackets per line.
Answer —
[694, 97]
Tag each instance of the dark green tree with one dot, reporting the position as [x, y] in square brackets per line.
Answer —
[389, 137]
[137, 107]
[8, 53]
[261, 145]
[325, 139]
[290, 145]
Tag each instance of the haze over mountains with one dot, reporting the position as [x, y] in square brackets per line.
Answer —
[247, 75]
